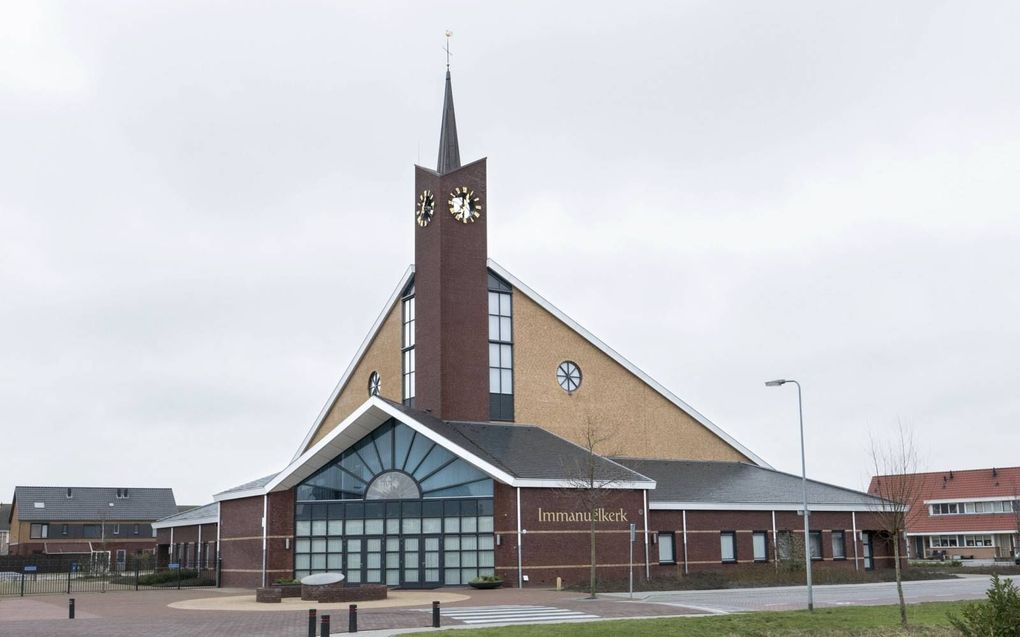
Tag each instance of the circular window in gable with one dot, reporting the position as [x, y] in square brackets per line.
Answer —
[373, 384]
[568, 375]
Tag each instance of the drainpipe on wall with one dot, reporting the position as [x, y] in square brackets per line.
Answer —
[265, 530]
[198, 550]
[520, 558]
[648, 565]
[686, 569]
[775, 540]
[219, 526]
[853, 518]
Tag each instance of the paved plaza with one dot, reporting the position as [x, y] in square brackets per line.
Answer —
[176, 613]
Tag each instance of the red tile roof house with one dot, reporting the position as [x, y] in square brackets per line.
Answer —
[971, 513]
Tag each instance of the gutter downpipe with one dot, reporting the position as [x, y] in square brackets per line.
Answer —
[265, 532]
[686, 568]
[775, 540]
[520, 558]
[198, 550]
[648, 513]
[857, 563]
[216, 555]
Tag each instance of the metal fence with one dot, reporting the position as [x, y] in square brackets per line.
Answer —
[93, 573]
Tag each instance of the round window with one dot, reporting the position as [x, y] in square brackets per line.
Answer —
[568, 375]
[373, 384]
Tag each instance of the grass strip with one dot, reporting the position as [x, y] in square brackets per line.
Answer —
[927, 620]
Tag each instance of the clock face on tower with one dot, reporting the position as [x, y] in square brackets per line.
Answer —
[464, 205]
[426, 208]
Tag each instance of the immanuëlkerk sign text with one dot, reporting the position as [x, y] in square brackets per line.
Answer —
[600, 515]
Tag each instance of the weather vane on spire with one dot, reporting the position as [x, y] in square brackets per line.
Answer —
[449, 34]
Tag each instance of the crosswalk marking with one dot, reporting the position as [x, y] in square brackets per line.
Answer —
[512, 614]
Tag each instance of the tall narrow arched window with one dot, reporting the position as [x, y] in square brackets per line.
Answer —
[407, 345]
[501, 350]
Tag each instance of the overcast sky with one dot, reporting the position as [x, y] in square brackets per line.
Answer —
[204, 206]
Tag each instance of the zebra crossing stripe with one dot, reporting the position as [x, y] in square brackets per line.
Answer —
[513, 614]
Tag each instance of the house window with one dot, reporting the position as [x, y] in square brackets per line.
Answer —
[816, 545]
[135, 530]
[946, 508]
[784, 545]
[667, 548]
[91, 530]
[759, 540]
[728, 546]
[839, 545]
[70, 494]
[39, 531]
[407, 347]
[501, 350]
[63, 529]
[116, 529]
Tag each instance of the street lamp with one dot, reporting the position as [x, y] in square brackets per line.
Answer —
[803, 480]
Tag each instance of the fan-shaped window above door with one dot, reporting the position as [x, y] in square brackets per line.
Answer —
[395, 462]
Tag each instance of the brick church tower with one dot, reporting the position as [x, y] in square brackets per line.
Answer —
[451, 297]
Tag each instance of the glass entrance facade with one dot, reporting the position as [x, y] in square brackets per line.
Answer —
[396, 508]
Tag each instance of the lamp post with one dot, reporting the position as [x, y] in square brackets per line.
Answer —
[803, 481]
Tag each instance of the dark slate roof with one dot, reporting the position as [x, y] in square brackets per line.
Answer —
[737, 483]
[449, 149]
[210, 510]
[5, 517]
[254, 484]
[93, 503]
[523, 451]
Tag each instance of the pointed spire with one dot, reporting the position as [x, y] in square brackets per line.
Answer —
[449, 149]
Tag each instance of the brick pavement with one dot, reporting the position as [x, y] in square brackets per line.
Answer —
[145, 613]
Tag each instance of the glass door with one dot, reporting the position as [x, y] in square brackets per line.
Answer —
[412, 562]
[431, 571]
[373, 560]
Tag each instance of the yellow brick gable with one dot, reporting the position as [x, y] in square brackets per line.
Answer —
[646, 423]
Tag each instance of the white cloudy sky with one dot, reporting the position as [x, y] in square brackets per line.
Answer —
[204, 205]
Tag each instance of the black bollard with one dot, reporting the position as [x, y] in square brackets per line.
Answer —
[324, 629]
[352, 618]
[435, 614]
[311, 622]
[70, 608]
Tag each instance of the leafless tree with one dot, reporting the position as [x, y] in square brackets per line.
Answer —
[592, 481]
[898, 486]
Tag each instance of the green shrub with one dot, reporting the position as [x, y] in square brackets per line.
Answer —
[999, 616]
[283, 581]
[486, 579]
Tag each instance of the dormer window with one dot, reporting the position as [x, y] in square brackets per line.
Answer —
[122, 494]
[69, 493]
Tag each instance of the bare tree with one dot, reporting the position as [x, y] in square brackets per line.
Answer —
[591, 483]
[898, 486]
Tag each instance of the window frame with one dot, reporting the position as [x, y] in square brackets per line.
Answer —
[821, 545]
[408, 364]
[669, 536]
[842, 544]
[39, 531]
[501, 402]
[765, 537]
[733, 539]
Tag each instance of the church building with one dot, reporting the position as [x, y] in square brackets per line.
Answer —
[479, 430]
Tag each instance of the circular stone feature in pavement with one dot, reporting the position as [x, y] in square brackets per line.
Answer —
[397, 599]
[321, 579]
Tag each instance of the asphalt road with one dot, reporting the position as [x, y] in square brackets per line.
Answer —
[795, 597]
